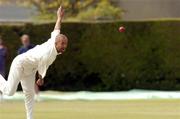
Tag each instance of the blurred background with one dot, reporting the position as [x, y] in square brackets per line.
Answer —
[78, 10]
[100, 58]
[103, 70]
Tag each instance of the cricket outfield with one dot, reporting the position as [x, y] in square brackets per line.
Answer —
[124, 109]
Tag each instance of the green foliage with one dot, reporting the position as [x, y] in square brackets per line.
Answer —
[103, 11]
[75, 9]
[99, 58]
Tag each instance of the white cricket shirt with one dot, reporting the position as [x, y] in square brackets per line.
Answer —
[40, 57]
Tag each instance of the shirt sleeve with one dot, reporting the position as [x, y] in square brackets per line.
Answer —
[42, 69]
[53, 36]
[55, 33]
[43, 65]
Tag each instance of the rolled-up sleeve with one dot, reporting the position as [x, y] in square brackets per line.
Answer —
[53, 36]
[55, 33]
[42, 69]
[49, 47]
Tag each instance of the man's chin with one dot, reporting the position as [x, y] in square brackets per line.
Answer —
[60, 52]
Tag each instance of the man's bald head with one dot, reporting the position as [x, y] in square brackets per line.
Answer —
[61, 43]
[61, 37]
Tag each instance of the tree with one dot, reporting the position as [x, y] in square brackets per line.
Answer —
[104, 10]
[47, 8]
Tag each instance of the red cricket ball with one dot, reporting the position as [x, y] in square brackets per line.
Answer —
[122, 29]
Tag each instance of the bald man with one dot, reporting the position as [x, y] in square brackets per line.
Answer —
[25, 66]
[26, 45]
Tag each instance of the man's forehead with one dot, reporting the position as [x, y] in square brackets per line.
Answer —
[61, 37]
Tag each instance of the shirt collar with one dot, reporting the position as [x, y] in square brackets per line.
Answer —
[55, 51]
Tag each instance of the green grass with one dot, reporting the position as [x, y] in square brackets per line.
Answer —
[136, 109]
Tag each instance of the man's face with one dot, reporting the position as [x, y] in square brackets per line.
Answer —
[61, 44]
[25, 40]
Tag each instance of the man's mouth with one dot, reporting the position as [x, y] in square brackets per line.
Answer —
[62, 50]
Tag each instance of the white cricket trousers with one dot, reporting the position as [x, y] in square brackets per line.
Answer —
[17, 74]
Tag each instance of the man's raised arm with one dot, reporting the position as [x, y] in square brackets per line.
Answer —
[60, 14]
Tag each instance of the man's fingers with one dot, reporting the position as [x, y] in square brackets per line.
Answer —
[62, 12]
[37, 82]
[40, 82]
[61, 8]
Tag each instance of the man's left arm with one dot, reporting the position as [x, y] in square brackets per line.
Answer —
[60, 15]
[57, 27]
[42, 70]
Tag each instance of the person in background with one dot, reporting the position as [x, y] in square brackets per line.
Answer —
[26, 45]
[3, 58]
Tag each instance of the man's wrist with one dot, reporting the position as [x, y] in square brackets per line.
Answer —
[59, 19]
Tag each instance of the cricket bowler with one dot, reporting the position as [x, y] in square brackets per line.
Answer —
[25, 66]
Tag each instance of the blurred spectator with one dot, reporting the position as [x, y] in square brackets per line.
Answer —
[3, 57]
[26, 45]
